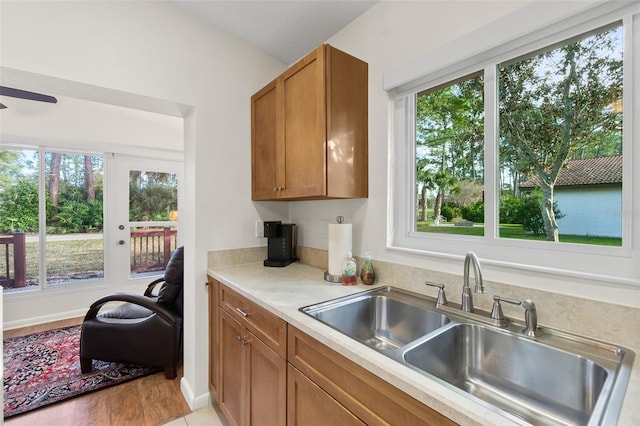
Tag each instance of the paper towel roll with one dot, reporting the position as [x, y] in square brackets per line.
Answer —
[339, 246]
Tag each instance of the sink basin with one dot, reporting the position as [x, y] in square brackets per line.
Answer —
[535, 382]
[553, 379]
[382, 318]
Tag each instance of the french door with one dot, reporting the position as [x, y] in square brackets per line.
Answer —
[145, 215]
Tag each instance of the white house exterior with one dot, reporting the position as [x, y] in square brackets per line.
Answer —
[588, 193]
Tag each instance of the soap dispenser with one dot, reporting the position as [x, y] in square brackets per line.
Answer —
[349, 270]
[367, 274]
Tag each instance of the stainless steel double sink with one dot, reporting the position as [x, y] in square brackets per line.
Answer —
[553, 379]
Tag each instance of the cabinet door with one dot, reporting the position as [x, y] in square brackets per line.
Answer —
[369, 397]
[233, 370]
[268, 386]
[308, 404]
[303, 122]
[214, 337]
[263, 144]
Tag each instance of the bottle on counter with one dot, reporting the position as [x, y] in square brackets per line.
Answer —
[367, 274]
[349, 270]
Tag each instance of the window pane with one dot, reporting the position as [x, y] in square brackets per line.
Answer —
[153, 211]
[153, 196]
[151, 249]
[450, 158]
[560, 115]
[19, 265]
[75, 248]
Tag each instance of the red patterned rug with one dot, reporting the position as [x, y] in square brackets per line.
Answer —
[43, 368]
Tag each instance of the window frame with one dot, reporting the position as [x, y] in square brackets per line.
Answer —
[564, 259]
[115, 277]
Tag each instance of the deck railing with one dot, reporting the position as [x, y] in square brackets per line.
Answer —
[151, 249]
[13, 274]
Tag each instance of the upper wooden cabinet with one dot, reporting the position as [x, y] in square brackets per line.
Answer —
[309, 130]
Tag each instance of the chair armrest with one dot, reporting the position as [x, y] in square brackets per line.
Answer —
[136, 299]
[149, 291]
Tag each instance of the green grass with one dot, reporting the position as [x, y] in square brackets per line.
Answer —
[74, 256]
[516, 232]
[66, 257]
[477, 229]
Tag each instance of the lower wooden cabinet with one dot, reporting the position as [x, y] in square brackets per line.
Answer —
[214, 334]
[308, 404]
[371, 399]
[264, 371]
[234, 390]
[252, 377]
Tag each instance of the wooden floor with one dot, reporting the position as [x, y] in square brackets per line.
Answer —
[148, 401]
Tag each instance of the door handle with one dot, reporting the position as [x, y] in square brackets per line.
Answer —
[121, 242]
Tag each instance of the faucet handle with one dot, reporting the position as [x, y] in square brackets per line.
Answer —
[496, 311]
[442, 297]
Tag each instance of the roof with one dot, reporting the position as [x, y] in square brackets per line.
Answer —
[587, 171]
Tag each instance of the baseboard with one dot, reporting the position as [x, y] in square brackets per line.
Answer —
[194, 402]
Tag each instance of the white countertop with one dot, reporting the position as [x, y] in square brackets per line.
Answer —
[283, 291]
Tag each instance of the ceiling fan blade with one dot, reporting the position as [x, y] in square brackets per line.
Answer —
[24, 94]
[2, 106]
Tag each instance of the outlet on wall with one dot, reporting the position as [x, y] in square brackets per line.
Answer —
[324, 233]
[259, 229]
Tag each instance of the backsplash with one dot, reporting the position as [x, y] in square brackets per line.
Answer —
[604, 321]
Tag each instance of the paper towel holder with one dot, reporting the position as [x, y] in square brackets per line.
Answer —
[332, 278]
[327, 276]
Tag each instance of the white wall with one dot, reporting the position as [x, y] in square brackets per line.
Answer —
[397, 35]
[74, 123]
[158, 55]
[590, 211]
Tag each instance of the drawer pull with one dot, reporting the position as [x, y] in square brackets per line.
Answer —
[244, 340]
[241, 312]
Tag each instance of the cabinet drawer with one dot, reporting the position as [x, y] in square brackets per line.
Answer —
[266, 326]
[373, 400]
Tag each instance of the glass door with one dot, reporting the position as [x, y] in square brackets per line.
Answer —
[146, 221]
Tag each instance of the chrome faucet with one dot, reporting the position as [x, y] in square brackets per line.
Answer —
[467, 299]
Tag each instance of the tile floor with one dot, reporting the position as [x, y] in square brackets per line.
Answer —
[207, 416]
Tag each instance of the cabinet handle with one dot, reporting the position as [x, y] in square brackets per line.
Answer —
[243, 340]
[243, 313]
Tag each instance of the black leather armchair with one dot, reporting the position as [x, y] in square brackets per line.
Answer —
[144, 330]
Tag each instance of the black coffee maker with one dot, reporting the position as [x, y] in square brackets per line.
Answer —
[281, 243]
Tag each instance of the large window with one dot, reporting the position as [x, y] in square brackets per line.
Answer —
[523, 154]
[560, 115]
[84, 219]
[51, 218]
[449, 157]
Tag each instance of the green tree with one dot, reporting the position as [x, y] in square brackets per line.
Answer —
[449, 139]
[19, 207]
[559, 103]
[152, 195]
[425, 182]
[10, 167]
[444, 182]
